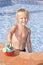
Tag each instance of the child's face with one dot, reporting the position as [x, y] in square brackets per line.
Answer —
[22, 18]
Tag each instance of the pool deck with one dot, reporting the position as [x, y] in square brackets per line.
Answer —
[23, 58]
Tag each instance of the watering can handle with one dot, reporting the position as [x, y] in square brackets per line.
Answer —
[8, 44]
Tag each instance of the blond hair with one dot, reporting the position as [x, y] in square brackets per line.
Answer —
[22, 10]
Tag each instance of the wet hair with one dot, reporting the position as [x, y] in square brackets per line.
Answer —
[22, 10]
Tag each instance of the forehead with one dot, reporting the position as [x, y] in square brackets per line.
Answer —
[22, 14]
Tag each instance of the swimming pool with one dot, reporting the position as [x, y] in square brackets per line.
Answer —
[7, 20]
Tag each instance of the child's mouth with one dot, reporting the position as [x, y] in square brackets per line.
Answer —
[23, 23]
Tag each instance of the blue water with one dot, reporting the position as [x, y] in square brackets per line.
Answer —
[35, 23]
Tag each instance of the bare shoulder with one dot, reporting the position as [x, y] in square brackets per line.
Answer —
[29, 31]
[13, 28]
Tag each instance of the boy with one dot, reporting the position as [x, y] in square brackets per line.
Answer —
[19, 34]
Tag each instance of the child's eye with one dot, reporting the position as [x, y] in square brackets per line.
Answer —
[21, 18]
[25, 18]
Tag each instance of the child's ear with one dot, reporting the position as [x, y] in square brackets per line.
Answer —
[16, 17]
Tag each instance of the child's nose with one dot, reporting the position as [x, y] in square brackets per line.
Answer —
[23, 19]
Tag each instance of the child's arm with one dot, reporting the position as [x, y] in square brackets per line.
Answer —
[29, 42]
[11, 33]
